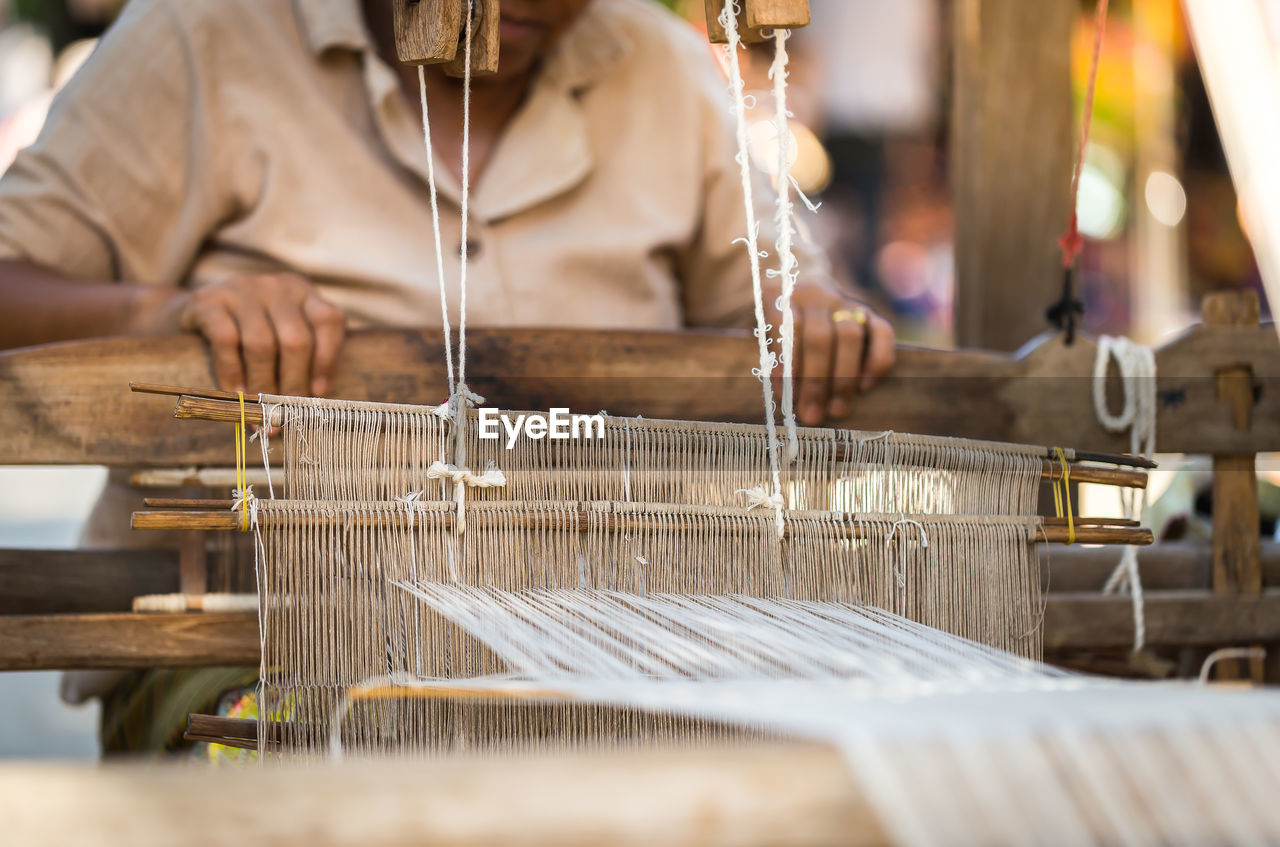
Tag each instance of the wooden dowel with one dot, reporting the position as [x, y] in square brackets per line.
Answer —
[200, 408]
[227, 520]
[1117, 477]
[175, 503]
[214, 477]
[179, 391]
[1124, 459]
[245, 729]
[185, 503]
[1121, 459]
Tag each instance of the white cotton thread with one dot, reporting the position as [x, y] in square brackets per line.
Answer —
[729, 20]
[900, 572]
[462, 478]
[435, 229]
[1226, 653]
[262, 433]
[788, 267]
[1137, 366]
[865, 440]
[246, 501]
[761, 498]
[466, 205]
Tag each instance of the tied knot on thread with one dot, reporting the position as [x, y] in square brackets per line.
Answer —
[493, 477]
[462, 398]
[900, 572]
[247, 505]
[760, 497]
[408, 500]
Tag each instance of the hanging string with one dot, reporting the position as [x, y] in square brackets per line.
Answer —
[729, 20]
[461, 397]
[435, 230]
[787, 271]
[1137, 366]
[1067, 310]
[466, 203]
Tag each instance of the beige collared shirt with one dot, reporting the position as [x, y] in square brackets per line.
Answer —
[209, 139]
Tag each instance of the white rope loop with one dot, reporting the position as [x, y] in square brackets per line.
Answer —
[1137, 366]
[900, 572]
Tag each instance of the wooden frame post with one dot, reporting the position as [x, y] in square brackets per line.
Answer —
[1012, 148]
[1237, 544]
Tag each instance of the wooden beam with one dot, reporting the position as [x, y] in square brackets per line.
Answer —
[183, 519]
[55, 582]
[126, 640]
[1012, 148]
[46, 582]
[70, 403]
[1173, 618]
[1165, 566]
[757, 796]
[1073, 622]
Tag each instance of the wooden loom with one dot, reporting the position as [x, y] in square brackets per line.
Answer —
[70, 404]
[1214, 398]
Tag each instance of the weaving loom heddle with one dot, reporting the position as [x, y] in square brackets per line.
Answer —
[376, 642]
[542, 627]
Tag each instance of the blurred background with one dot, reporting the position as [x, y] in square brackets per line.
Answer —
[870, 90]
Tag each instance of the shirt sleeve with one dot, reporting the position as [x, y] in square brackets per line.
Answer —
[118, 186]
[716, 266]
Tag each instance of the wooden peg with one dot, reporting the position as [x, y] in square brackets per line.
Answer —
[485, 36]
[755, 17]
[431, 32]
[427, 30]
[776, 14]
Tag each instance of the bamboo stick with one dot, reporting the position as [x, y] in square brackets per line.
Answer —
[176, 503]
[189, 398]
[189, 519]
[201, 477]
[200, 408]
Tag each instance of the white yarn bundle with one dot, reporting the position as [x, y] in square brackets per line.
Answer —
[1137, 366]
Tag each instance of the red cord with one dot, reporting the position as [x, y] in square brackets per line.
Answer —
[1071, 242]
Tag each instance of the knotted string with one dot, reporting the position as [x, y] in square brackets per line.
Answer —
[729, 20]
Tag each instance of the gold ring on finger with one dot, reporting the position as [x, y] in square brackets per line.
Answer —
[858, 316]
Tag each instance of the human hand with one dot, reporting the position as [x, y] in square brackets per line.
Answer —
[269, 333]
[841, 348]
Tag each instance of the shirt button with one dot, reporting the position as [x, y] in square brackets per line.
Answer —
[473, 248]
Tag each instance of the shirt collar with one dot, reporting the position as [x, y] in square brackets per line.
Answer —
[328, 24]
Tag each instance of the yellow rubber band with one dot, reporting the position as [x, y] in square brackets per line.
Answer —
[241, 443]
[1064, 494]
